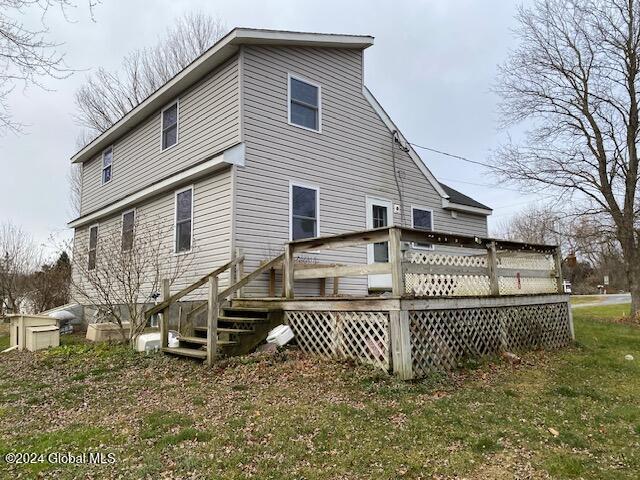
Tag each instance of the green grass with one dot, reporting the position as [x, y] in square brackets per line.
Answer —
[580, 299]
[300, 417]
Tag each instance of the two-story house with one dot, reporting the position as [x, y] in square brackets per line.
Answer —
[269, 136]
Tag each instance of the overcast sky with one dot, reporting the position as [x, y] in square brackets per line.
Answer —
[432, 67]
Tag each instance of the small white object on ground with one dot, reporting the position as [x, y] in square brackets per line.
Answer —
[173, 339]
[148, 342]
[628, 357]
[281, 335]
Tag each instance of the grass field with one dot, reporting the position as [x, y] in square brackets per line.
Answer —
[580, 299]
[293, 416]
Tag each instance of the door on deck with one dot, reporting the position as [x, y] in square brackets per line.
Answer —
[379, 214]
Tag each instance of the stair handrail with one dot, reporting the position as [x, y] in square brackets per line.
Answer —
[194, 286]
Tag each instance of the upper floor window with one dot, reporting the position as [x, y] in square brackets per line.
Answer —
[93, 247]
[304, 208]
[422, 219]
[304, 104]
[107, 159]
[184, 220]
[128, 223]
[170, 126]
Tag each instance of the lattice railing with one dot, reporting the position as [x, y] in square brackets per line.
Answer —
[362, 336]
[441, 339]
[447, 275]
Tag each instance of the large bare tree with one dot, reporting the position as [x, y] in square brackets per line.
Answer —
[107, 96]
[574, 81]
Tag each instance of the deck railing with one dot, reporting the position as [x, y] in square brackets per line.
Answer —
[486, 267]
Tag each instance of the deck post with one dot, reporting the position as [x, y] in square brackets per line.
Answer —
[239, 270]
[212, 321]
[287, 271]
[400, 344]
[492, 267]
[558, 261]
[164, 319]
[395, 259]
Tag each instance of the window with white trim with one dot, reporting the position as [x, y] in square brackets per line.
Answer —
[422, 219]
[128, 223]
[107, 160]
[184, 220]
[170, 126]
[304, 104]
[93, 247]
[305, 209]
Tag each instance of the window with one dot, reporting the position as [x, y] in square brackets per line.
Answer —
[304, 207]
[379, 218]
[304, 104]
[107, 159]
[128, 222]
[170, 126]
[184, 222]
[422, 219]
[93, 246]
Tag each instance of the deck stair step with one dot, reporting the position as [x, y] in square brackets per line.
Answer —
[203, 341]
[224, 318]
[186, 352]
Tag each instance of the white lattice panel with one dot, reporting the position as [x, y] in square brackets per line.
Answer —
[433, 285]
[426, 258]
[526, 285]
[526, 261]
[362, 336]
[441, 339]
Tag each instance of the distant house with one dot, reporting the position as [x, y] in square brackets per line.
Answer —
[267, 137]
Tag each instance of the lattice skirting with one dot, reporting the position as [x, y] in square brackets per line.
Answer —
[440, 339]
[362, 336]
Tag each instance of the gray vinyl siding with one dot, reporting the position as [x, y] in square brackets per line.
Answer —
[209, 123]
[350, 160]
[212, 226]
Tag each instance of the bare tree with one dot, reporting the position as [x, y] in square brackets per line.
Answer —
[107, 96]
[27, 55]
[574, 80]
[19, 258]
[118, 274]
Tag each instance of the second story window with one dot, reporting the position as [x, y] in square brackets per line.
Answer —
[422, 219]
[304, 104]
[128, 223]
[93, 247]
[107, 159]
[184, 220]
[170, 126]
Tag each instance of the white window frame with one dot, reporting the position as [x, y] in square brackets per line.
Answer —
[425, 209]
[97, 227]
[175, 220]
[177, 104]
[295, 183]
[312, 83]
[103, 168]
[135, 214]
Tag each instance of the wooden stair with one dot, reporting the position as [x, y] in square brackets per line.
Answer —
[240, 330]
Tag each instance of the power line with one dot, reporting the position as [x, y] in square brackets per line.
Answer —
[452, 155]
[496, 187]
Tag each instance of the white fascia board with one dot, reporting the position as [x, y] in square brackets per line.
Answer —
[222, 50]
[458, 207]
[232, 156]
[412, 153]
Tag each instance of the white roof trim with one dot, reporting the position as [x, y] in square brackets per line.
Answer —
[459, 207]
[222, 50]
[412, 153]
[232, 156]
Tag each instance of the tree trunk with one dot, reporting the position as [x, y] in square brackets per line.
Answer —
[632, 261]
